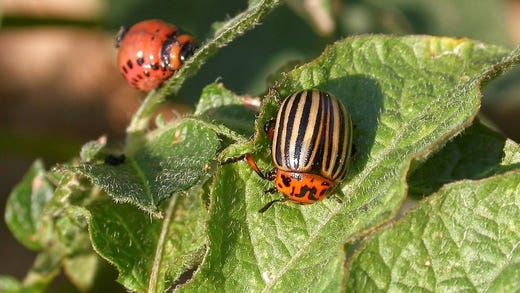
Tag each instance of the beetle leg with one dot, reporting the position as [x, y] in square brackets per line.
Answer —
[122, 31]
[269, 204]
[251, 162]
[271, 175]
[271, 190]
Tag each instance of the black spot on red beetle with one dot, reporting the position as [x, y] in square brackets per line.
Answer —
[139, 76]
[154, 66]
[140, 61]
[286, 180]
[124, 69]
[165, 51]
[146, 73]
[129, 64]
[187, 51]
[312, 193]
[322, 192]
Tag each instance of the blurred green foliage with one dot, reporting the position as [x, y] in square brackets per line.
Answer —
[284, 36]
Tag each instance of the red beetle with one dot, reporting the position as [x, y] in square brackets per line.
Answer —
[151, 51]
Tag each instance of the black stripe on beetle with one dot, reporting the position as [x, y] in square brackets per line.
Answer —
[311, 147]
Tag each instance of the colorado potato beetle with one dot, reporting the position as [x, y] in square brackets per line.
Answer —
[151, 51]
[311, 146]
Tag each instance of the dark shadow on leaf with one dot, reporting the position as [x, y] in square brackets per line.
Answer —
[363, 98]
[474, 154]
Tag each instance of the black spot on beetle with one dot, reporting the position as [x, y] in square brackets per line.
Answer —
[187, 51]
[154, 66]
[146, 73]
[129, 64]
[286, 180]
[312, 193]
[140, 61]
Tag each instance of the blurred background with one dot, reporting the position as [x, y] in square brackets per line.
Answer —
[60, 87]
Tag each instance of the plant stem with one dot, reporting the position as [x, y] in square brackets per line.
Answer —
[139, 123]
[229, 31]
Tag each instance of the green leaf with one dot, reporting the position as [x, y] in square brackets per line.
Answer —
[407, 96]
[45, 268]
[71, 238]
[476, 153]
[224, 33]
[221, 106]
[43, 219]
[150, 254]
[9, 284]
[92, 149]
[81, 269]
[24, 207]
[173, 159]
[464, 238]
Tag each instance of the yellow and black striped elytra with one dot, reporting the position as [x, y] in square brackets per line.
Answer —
[312, 135]
[311, 147]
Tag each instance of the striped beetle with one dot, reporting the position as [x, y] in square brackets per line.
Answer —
[311, 146]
